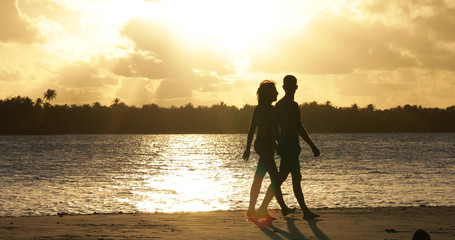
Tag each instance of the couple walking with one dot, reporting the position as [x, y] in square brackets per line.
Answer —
[280, 123]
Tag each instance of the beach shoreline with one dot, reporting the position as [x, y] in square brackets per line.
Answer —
[335, 223]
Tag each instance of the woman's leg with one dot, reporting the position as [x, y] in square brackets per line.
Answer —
[256, 187]
[285, 210]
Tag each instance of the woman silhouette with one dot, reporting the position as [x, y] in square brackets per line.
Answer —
[266, 122]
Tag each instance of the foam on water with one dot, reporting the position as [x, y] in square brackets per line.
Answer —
[81, 174]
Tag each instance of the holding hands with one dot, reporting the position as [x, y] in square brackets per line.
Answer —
[246, 155]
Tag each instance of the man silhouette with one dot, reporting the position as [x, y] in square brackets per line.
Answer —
[288, 145]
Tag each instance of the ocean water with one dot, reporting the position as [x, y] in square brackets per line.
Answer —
[83, 174]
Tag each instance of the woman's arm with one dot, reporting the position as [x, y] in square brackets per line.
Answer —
[249, 140]
[276, 127]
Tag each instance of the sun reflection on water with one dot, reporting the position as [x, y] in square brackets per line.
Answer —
[190, 192]
[183, 175]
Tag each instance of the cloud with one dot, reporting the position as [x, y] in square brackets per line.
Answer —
[136, 90]
[335, 45]
[9, 74]
[389, 35]
[83, 75]
[173, 83]
[440, 24]
[405, 9]
[143, 64]
[180, 66]
[174, 53]
[371, 84]
[392, 88]
[14, 26]
[170, 89]
[425, 26]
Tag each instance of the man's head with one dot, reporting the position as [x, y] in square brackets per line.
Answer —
[290, 84]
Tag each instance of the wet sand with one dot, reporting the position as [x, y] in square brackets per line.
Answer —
[342, 223]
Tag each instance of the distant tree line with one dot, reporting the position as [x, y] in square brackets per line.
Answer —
[328, 118]
[22, 115]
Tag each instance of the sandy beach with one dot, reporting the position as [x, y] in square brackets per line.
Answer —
[342, 223]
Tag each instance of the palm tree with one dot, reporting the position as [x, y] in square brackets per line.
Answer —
[50, 94]
[116, 101]
[370, 107]
[355, 107]
[38, 102]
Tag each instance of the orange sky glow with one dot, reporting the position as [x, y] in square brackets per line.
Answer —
[173, 52]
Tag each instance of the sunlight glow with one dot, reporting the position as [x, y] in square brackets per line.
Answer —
[234, 27]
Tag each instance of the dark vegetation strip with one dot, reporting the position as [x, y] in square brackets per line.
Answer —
[21, 115]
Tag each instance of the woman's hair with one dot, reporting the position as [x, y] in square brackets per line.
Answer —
[266, 92]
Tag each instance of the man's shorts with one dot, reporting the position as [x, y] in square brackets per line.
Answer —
[289, 151]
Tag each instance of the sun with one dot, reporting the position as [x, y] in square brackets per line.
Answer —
[232, 25]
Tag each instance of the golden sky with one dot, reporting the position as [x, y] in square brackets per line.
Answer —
[173, 52]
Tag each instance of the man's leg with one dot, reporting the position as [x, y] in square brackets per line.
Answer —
[275, 182]
[298, 193]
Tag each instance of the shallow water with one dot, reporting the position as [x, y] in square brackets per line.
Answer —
[79, 174]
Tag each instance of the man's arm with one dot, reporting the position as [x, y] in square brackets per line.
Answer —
[304, 134]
